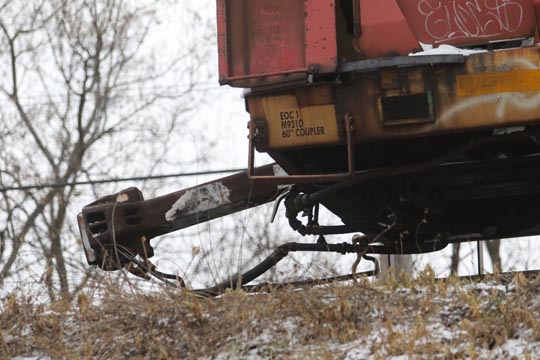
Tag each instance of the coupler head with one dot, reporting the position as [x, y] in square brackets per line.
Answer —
[112, 230]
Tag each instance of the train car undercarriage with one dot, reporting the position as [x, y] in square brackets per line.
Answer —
[412, 153]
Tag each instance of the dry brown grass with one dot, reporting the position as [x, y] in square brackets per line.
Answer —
[416, 318]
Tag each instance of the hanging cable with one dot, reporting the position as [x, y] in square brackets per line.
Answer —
[114, 180]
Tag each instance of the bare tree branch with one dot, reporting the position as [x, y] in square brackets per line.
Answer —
[82, 87]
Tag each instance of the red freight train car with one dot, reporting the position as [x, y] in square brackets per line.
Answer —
[416, 122]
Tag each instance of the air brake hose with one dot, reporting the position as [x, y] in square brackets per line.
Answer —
[239, 280]
[297, 203]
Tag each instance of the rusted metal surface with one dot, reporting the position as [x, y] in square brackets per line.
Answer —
[489, 90]
[400, 61]
[127, 220]
[469, 22]
[269, 41]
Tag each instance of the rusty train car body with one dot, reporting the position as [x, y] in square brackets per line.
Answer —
[416, 122]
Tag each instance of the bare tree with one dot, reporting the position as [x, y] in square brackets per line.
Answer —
[84, 96]
[493, 247]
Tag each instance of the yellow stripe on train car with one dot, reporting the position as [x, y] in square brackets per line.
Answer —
[499, 82]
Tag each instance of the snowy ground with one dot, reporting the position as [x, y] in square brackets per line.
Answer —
[444, 334]
[399, 319]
